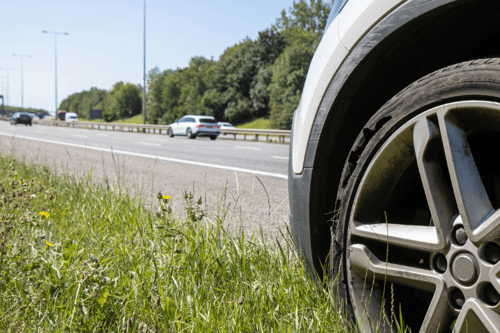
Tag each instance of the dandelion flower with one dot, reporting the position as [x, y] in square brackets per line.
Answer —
[44, 214]
[165, 197]
[33, 196]
[49, 244]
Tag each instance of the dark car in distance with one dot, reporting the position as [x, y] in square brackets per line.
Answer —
[20, 118]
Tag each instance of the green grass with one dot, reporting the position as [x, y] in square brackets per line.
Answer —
[132, 120]
[260, 123]
[100, 261]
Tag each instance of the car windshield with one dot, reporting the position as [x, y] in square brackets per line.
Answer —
[227, 124]
[207, 120]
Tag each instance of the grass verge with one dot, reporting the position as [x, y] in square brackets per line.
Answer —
[137, 119]
[260, 123]
[80, 257]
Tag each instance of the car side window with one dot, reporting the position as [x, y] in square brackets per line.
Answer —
[183, 119]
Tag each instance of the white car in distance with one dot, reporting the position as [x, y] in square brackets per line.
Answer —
[225, 125]
[71, 117]
[193, 126]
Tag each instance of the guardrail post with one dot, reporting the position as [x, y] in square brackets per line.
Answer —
[244, 136]
[256, 137]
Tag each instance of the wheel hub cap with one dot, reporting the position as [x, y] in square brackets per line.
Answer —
[464, 268]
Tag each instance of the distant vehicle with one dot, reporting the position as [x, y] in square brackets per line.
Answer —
[61, 115]
[225, 126]
[193, 126]
[20, 118]
[71, 117]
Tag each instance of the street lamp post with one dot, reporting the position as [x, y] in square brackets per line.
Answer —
[7, 101]
[144, 77]
[22, 76]
[55, 43]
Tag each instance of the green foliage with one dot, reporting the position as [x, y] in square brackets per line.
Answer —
[123, 101]
[289, 77]
[81, 103]
[252, 79]
[12, 109]
[80, 257]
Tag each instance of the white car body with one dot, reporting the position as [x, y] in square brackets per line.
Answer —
[193, 126]
[341, 36]
[225, 125]
[71, 117]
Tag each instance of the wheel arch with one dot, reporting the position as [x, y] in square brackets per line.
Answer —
[439, 34]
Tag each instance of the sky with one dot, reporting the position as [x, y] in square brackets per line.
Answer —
[104, 44]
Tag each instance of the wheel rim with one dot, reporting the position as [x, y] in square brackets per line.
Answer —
[425, 223]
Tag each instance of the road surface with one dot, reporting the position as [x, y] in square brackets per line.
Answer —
[244, 180]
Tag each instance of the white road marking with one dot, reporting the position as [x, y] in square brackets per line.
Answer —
[243, 147]
[79, 136]
[149, 143]
[161, 158]
[282, 157]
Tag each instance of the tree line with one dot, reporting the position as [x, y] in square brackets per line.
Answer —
[253, 78]
[8, 110]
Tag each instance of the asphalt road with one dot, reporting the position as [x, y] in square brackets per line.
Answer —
[246, 181]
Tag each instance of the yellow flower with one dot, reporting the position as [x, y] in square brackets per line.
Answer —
[44, 214]
[165, 197]
[49, 244]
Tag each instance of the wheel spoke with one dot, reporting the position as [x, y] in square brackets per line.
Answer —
[438, 318]
[472, 200]
[364, 262]
[489, 229]
[416, 237]
[428, 145]
[475, 317]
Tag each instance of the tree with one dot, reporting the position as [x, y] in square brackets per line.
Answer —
[289, 77]
[122, 102]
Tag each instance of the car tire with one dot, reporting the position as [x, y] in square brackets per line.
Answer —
[170, 133]
[213, 137]
[417, 231]
[190, 134]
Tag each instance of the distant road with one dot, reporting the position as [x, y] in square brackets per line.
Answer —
[251, 157]
[245, 181]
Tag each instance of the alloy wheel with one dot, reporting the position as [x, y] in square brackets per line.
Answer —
[424, 225]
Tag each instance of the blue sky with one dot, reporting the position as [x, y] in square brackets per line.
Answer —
[105, 41]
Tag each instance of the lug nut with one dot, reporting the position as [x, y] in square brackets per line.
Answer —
[492, 253]
[440, 263]
[458, 299]
[460, 235]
